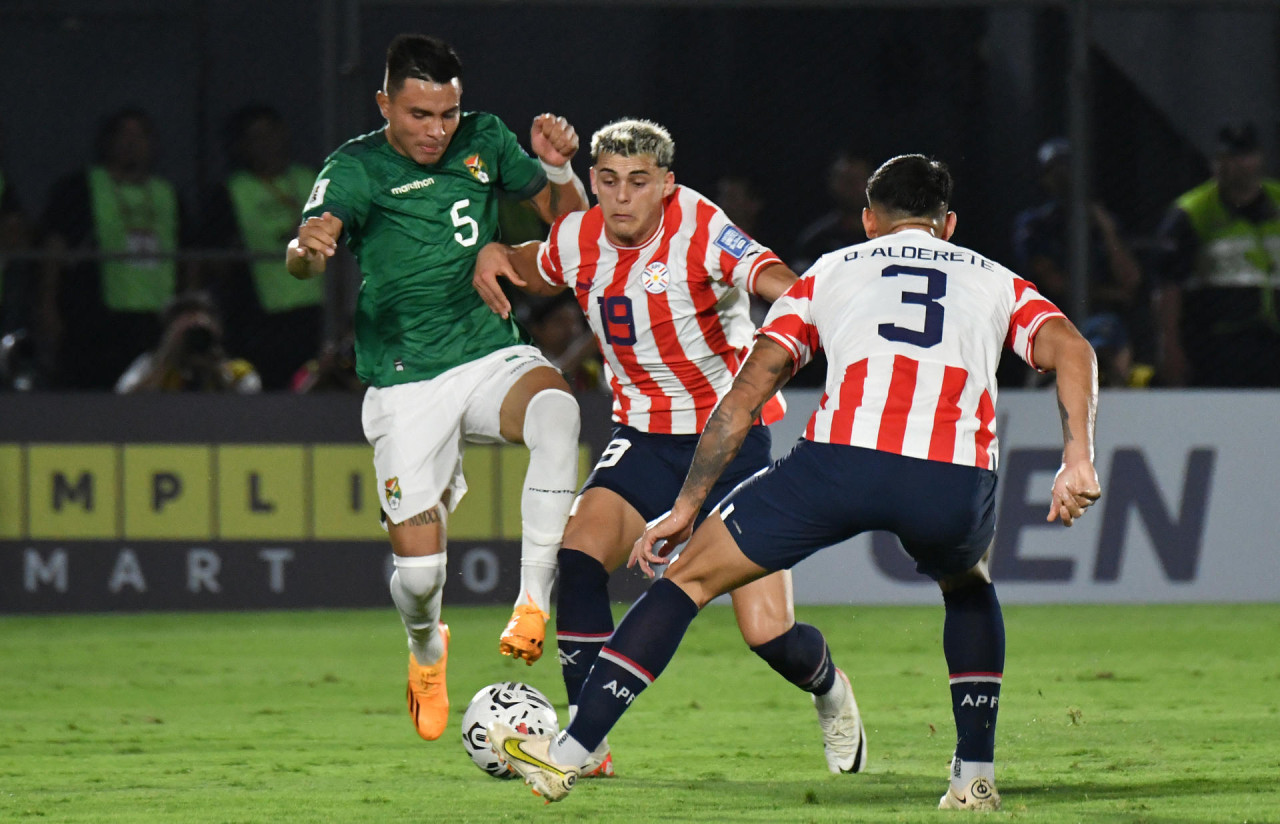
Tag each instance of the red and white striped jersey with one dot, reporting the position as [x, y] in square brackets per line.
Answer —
[912, 327]
[671, 315]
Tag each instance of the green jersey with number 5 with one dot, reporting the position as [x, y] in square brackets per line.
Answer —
[416, 231]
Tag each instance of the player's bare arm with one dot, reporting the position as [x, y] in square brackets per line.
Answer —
[317, 241]
[1058, 346]
[764, 373]
[773, 281]
[555, 142]
[518, 264]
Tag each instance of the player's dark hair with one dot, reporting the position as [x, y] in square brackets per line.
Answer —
[911, 185]
[420, 57]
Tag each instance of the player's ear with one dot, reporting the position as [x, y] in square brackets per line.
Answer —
[668, 183]
[592, 173]
[949, 228]
[384, 104]
[870, 225]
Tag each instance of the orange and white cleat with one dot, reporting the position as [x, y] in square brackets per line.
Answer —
[600, 764]
[525, 633]
[427, 695]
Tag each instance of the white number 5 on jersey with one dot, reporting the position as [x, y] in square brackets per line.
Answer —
[461, 220]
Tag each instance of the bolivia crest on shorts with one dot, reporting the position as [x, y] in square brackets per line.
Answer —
[656, 277]
[393, 493]
[477, 168]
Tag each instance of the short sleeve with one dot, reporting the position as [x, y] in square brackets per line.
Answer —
[1030, 312]
[518, 174]
[341, 188]
[550, 260]
[739, 257]
[790, 322]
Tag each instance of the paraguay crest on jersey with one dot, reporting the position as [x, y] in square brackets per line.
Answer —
[477, 168]
[393, 493]
[656, 277]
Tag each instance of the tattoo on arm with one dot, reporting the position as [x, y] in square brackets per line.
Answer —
[554, 205]
[1067, 437]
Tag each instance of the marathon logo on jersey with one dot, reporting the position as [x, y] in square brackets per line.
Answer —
[414, 186]
[733, 241]
[656, 277]
[317, 194]
[477, 168]
[393, 493]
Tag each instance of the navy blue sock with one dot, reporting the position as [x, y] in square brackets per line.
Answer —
[637, 654]
[801, 656]
[584, 621]
[973, 640]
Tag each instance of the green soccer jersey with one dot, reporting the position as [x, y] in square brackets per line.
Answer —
[416, 231]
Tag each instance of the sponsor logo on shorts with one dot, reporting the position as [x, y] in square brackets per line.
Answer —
[656, 277]
[733, 241]
[477, 168]
[393, 493]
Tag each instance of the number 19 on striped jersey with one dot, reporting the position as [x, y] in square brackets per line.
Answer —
[617, 320]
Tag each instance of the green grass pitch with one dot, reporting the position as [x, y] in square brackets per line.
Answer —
[1108, 714]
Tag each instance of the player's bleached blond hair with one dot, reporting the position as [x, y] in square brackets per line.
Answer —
[630, 137]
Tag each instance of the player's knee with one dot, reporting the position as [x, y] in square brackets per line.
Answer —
[761, 621]
[418, 576]
[552, 421]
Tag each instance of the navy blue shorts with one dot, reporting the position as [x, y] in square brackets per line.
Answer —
[821, 494]
[648, 470]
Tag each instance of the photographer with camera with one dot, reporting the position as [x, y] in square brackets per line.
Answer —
[190, 357]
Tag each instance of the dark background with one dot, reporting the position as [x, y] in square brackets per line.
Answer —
[771, 89]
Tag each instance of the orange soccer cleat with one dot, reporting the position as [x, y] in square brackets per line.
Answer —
[427, 695]
[525, 633]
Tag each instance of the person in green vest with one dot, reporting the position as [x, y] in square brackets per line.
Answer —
[1216, 307]
[416, 201]
[97, 315]
[274, 320]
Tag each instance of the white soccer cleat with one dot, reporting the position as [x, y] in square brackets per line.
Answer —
[844, 740]
[529, 757]
[980, 796]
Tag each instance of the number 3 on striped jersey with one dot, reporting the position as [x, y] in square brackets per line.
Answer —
[931, 334]
[617, 320]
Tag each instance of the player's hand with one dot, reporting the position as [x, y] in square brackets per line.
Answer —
[1075, 489]
[492, 263]
[553, 139]
[317, 241]
[660, 537]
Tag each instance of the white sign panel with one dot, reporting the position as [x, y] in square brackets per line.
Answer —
[1188, 510]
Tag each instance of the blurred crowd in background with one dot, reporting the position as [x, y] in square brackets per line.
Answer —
[110, 281]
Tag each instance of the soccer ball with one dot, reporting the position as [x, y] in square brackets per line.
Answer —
[517, 705]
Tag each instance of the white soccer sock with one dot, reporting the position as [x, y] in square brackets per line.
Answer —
[416, 588]
[551, 433]
[565, 749]
[963, 772]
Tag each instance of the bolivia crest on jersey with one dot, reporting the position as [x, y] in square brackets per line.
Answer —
[393, 493]
[656, 277]
[477, 168]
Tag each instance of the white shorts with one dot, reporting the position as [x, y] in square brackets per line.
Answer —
[417, 429]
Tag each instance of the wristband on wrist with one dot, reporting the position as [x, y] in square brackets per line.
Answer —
[557, 174]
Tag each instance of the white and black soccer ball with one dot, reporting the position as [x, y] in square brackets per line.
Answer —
[517, 705]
